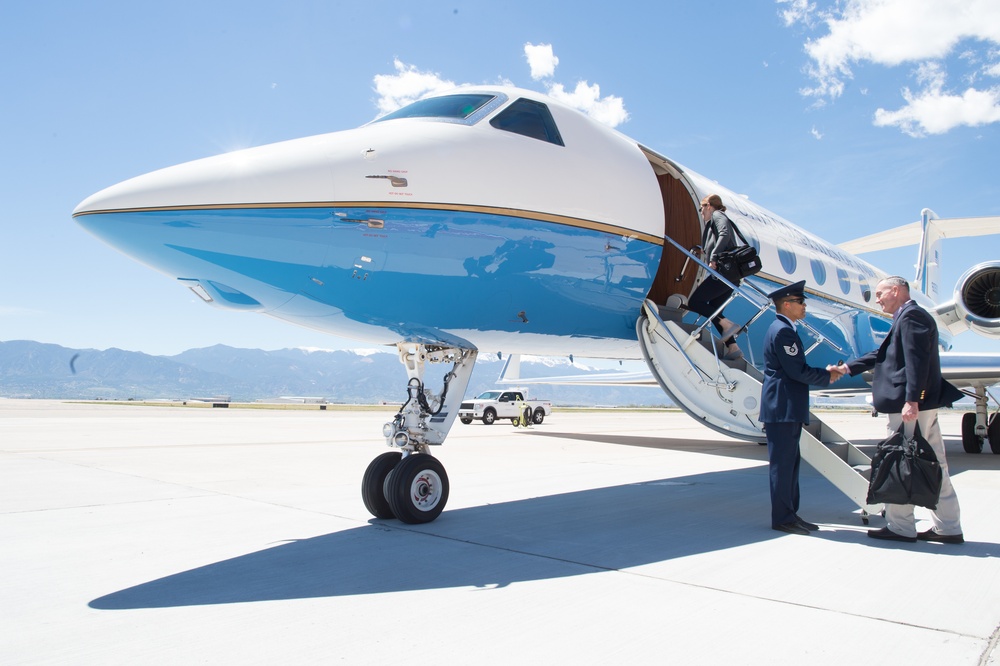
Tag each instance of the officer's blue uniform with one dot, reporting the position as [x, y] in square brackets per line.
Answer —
[785, 407]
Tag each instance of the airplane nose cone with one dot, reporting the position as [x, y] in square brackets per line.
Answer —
[283, 172]
[145, 191]
[244, 229]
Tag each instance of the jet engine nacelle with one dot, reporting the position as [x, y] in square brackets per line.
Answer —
[977, 302]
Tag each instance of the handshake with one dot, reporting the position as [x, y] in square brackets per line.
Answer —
[836, 371]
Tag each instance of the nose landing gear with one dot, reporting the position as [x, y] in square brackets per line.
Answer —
[410, 484]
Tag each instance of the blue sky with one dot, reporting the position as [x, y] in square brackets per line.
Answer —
[845, 118]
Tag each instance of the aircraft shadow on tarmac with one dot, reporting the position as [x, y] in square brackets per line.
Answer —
[484, 547]
[958, 460]
[730, 448]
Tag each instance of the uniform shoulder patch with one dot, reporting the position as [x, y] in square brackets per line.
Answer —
[792, 350]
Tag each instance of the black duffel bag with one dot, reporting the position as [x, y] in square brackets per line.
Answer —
[905, 471]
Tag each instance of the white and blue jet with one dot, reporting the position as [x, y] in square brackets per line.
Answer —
[494, 218]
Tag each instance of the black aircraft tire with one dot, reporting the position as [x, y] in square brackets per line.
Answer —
[993, 432]
[417, 489]
[970, 441]
[373, 484]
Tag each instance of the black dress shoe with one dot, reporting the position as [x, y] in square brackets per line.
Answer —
[812, 527]
[889, 535]
[931, 535]
[792, 528]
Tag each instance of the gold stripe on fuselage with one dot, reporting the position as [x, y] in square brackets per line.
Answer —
[565, 220]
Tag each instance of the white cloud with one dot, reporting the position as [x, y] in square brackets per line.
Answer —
[609, 110]
[933, 111]
[894, 32]
[900, 32]
[541, 60]
[407, 85]
[816, 133]
[798, 11]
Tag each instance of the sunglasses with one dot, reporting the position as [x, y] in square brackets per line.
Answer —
[800, 301]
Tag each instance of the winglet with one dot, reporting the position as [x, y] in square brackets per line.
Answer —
[511, 372]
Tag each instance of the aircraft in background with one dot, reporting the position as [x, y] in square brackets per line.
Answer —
[494, 218]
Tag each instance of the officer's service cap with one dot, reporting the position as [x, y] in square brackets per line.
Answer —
[794, 289]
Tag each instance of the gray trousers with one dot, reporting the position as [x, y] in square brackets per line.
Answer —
[947, 518]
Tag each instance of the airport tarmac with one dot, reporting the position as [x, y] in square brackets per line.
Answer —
[159, 535]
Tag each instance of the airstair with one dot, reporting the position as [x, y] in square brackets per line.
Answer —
[689, 364]
[842, 463]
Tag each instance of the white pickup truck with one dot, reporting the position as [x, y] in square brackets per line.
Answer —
[492, 405]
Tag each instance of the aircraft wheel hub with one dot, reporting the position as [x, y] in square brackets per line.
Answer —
[426, 490]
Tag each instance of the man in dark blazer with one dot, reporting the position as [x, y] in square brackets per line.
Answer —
[909, 389]
[784, 405]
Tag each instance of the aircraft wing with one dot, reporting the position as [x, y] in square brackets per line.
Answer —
[597, 379]
[511, 374]
[963, 369]
[911, 234]
[966, 370]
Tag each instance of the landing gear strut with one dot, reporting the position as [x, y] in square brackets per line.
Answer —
[410, 484]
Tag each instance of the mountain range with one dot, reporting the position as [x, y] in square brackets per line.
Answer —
[31, 369]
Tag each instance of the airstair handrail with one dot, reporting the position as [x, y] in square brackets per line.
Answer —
[738, 292]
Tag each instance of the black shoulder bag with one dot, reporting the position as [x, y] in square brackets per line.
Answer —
[740, 262]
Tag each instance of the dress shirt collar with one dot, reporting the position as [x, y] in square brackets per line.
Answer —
[902, 307]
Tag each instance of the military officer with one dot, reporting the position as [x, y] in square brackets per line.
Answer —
[784, 405]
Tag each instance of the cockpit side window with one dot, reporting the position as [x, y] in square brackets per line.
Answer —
[531, 119]
[454, 108]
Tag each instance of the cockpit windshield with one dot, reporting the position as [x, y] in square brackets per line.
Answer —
[453, 108]
[525, 117]
[531, 119]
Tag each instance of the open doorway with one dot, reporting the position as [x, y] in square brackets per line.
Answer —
[683, 225]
